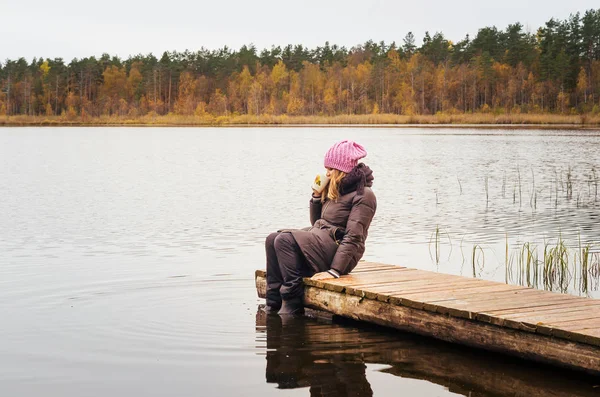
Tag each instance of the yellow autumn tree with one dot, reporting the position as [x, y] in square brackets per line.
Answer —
[295, 103]
[113, 89]
[312, 79]
[582, 86]
[218, 103]
[45, 97]
[186, 99]
[133, 82]
[363, 77]
[280, 81]
[3, 110]
[244, 83]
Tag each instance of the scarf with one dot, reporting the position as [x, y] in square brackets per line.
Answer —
[357, 179]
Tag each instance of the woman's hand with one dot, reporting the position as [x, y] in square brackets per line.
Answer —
[316, 194]
[322, 276]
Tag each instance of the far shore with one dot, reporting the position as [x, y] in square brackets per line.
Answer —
[482, 120]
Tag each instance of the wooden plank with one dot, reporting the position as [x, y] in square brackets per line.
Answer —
[569, 306]
[563, 314]
[361, 266]
[493, 304]
[406, 284]
[435, 292]
[466, 288]
[371, 270]
[576, 331]
[457, 294]
[341, 283]
[379, 275]
[260, 280]
[409, 285]
[383, 274]
[575, 324]
[418, 281]
[468, 295]
[592, 332]
[454, 296]
[571, 324]
[499, 298]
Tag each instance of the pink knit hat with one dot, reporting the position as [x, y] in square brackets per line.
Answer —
[344, 155]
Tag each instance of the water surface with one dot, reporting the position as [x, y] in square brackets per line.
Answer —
[127, 255]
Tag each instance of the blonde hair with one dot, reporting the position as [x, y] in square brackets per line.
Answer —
[332, 191]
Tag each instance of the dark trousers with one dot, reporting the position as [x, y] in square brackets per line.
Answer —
[286, 266]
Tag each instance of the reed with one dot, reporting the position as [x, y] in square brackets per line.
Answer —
[462, 254]
[533, 194]
[528, 264]
[594, 269]
[557, 273]
[520, 120]
[477, 260]
[520, 191]
[584, 259]
[435, 240]
[556, 188]
[506, 266]
[562, 267]
[487, 192]
[569, 183]
[595, 181]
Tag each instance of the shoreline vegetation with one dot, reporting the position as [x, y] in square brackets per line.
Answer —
[390, 120]
[497, 77]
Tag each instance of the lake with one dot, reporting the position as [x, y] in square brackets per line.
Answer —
[127, 256]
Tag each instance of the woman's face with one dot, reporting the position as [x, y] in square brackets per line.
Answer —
[329, 172]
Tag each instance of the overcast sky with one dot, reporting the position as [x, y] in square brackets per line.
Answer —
[70, 29]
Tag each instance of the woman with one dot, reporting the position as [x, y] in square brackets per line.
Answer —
[333, 245]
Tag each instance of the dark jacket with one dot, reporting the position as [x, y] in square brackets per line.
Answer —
[336, 239]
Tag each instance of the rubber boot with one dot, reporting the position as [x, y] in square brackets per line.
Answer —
[270, 309]
[292, 307]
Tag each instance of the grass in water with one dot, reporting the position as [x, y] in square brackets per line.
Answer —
[569, 183]
[584, 258]
[487, 192]
[436, 241]
[595, 180]
[477, 259]
[562, 267]
[520, 191]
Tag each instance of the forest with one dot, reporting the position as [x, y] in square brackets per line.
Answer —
[554, 70]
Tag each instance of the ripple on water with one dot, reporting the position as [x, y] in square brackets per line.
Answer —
[176, 320]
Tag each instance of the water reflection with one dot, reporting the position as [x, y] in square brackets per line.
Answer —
[300, 354]
[333, 358]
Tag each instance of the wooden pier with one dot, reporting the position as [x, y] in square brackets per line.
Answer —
[538, 325]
